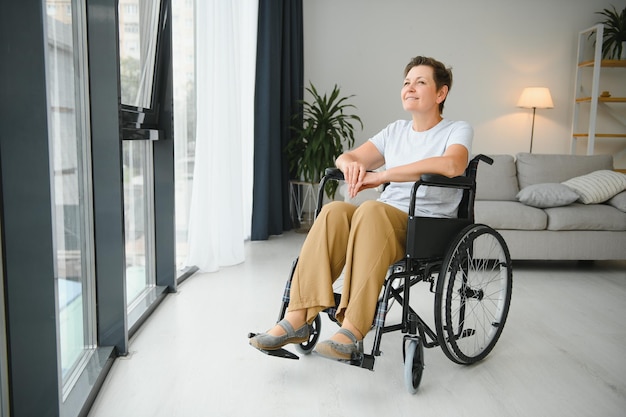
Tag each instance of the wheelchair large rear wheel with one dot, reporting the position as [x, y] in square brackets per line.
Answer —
[473, 294]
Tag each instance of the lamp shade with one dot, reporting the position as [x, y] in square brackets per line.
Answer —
[535, 97]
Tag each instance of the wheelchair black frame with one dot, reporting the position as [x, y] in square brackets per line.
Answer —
[423, 261]
[414, 269]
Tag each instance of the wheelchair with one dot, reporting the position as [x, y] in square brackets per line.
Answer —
[468, 269]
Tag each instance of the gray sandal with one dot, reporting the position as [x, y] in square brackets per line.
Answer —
[266, 341]
[341, 351]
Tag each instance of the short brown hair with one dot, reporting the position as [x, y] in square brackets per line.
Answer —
[441, 74]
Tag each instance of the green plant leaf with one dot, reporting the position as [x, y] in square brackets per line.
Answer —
[614, 32]
[321, 129]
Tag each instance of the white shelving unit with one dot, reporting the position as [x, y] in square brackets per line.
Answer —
[593, 97]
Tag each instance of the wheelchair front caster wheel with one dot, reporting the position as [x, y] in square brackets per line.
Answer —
[314, 334]
[413, 366]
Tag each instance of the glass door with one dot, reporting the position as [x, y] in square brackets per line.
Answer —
[69, 139]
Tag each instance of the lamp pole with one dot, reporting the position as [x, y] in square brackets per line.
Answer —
[532, 130]
[534, 98]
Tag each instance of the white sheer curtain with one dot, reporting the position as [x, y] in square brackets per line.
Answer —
[221, 201]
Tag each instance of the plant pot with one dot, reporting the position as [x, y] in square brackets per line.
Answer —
[623, 54]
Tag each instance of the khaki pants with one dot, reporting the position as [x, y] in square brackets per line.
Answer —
[366, 240]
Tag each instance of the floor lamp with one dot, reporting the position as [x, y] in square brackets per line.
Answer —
[535, 98]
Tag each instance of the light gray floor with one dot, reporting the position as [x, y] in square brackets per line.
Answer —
[562, 353]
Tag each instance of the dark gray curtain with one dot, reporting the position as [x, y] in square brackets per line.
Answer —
[279, 89]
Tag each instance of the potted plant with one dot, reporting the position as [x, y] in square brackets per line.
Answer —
[614, 39]
[321, 130]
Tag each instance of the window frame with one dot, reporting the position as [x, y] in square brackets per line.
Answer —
[140, 123]
[155, 125]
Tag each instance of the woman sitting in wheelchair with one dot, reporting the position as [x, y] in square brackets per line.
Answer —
[365, 240]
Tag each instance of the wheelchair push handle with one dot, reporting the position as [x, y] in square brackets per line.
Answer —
[484, 158]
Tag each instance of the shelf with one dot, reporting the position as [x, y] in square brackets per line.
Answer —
[601, 135]
[603, 99]
[591, 102]
[606, 63]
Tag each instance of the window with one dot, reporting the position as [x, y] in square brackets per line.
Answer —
[63, 204]
[139, 36]
[138, 50]
[138, 219]
[68, 116]
[183, 51]
[131, 28]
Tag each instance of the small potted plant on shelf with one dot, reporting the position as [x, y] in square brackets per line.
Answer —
[321, 130]
[614, 39]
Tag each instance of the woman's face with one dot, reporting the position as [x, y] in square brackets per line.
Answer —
[419, 91]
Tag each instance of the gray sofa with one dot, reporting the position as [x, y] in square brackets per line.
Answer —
[547, 224]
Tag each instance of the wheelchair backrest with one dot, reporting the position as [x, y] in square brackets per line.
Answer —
[466, 206]
[430, 237]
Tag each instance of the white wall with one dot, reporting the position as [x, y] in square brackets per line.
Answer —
[495, 47]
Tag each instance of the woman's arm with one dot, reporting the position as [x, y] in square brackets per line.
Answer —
[451, 164]
[366, 155]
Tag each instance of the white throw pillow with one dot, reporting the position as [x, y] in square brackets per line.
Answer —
[597, 186]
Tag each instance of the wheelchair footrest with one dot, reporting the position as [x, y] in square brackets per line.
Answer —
[361, 360]
[280, 353]
[364, 361]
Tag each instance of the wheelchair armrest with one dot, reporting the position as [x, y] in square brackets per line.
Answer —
[443, 181]
[462, 181]
[333, 174]
[437, 180]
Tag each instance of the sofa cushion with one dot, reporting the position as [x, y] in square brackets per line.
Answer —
[598, 186]
[543, 168]
[586, 217]
[497, 181]
[547, 195]
[619, 201]
[509, 215]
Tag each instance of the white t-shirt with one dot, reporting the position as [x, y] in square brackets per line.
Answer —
[400, 145]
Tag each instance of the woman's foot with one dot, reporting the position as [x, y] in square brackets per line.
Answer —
[292, 329]
[343, 345]
[267, 341]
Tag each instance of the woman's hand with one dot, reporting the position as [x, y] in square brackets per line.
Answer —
[370, 180]
[359, 179]
[354, 173]
[354, 165]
